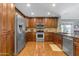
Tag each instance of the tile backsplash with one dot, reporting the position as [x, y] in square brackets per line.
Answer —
[45, 30]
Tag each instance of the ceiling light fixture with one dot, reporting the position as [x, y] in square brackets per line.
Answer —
[28, 5]
[54, 5]
[32, 13]
[48, 13]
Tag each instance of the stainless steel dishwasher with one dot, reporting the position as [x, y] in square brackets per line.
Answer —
[68, 45]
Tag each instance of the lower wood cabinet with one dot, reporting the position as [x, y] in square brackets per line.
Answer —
[48, 36]
[31, 36]
[76, 46]
[77, 50]
[57, 39]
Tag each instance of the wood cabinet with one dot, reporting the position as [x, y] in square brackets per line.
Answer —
[57, 39]
[39, 20]
[76, 47]
[7, 16]
[48, 36]
[77, 50]
[55, 23]
[31, 36]
[31, 23]
[48, 22]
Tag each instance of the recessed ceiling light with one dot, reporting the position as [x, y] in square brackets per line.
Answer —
[32, 13]
[48, 13]
[28, 5]
[53, 4]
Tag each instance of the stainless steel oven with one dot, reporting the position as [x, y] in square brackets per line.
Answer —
[39, 36]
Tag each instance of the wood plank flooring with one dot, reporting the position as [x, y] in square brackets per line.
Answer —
[39, 49]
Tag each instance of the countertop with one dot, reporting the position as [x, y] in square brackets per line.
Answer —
[69, 34]
[72, 35]
[59, 33]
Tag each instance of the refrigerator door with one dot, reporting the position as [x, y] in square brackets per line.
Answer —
[19, 34]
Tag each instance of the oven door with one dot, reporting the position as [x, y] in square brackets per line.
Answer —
[39, 36]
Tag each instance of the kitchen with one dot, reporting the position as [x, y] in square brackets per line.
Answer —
[39, 29]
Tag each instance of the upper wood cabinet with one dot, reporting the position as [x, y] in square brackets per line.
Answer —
[51, 22]
[31, 22]
[48, 22]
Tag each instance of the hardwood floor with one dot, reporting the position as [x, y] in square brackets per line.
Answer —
[40, 49]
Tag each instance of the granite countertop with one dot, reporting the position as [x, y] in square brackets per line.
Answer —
[70, 35]
[67, 34]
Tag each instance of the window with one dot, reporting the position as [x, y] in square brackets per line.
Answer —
[66, 28]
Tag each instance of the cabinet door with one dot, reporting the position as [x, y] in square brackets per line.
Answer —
[10, 28]
[50, 36]
[34, 36]
[50, 22]
[7, 16]
[29, 36]
[55, 23]
[54, 38]
[77, 50]
[59, 41]
[46, 36]
[32, 22]
[0, 28]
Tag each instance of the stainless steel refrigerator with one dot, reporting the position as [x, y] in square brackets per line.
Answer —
[19, 34]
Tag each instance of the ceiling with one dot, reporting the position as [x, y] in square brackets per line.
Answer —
[62, 10]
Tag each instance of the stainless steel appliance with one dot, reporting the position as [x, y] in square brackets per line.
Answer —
[39, 36]
[40, 26]
[68, 29]
[68, 45]
[40, 32]
[19, 34]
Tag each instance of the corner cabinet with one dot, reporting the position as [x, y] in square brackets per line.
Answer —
[57, 39]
